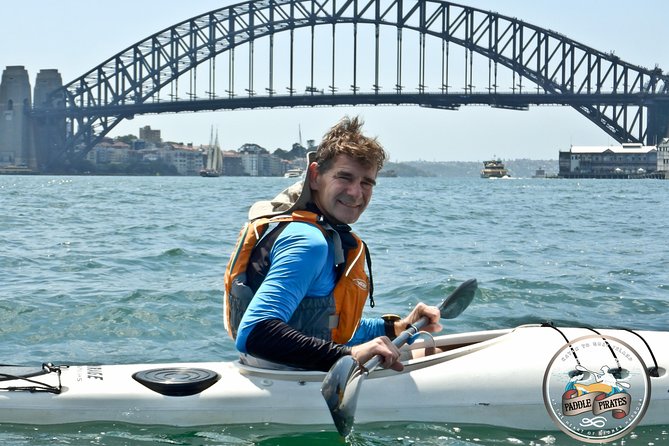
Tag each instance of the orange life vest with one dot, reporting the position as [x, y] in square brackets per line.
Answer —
[349, 295]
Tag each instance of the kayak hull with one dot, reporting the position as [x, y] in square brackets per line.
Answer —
[489, 377]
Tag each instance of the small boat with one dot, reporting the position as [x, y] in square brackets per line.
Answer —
[293, 173]
[497, 377]
[13, 169]
[494, 169]
[210, 173]
[213, 158]
[390, 173]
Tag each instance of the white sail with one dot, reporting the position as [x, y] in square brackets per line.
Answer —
[214, 164]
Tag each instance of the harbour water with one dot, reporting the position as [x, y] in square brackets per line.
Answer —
[130, 269]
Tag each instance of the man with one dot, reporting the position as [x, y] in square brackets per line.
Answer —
[305, 284]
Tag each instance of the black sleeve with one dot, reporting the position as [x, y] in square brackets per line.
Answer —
[276, 341]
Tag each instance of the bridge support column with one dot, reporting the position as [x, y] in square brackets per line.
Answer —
[658, 123]
[16, 145]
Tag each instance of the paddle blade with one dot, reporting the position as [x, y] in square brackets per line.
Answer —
[459, 299]
[340, 389]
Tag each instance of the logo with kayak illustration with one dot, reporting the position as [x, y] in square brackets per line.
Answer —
[596, 389]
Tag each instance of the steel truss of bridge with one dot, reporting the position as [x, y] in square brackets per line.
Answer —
[310, 53]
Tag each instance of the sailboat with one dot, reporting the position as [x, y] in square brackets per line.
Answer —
[214, 163]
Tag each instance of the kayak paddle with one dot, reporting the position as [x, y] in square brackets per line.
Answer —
[341, 385]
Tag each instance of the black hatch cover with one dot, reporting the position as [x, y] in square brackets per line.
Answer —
[177, 381]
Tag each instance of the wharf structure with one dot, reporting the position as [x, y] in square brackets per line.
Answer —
[630, 160]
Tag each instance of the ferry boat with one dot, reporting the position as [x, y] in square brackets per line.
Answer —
[293, 173]
[494, 169]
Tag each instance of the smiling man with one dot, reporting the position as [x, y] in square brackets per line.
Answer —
[299, 302]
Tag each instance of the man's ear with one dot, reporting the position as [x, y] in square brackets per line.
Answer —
[312, 175]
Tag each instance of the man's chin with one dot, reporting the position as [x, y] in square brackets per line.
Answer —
[349, 220]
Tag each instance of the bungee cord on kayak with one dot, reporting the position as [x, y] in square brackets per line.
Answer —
[26, 375]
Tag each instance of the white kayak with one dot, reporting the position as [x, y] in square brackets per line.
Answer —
[499, 378]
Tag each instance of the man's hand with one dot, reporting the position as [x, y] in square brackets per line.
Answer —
[384, 347]
[432, 313]
[378, 346]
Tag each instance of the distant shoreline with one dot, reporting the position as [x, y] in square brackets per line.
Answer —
[519, 168]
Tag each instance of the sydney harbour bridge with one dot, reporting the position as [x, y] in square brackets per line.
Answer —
[308, 53]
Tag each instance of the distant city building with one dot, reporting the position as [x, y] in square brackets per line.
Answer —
[276, 167]
[149, 135]
[150, 155]
[187, 160]
[109, 153]
[232, 164]
[139, 144]
[628, 160]
[255, 160]
[122, 154]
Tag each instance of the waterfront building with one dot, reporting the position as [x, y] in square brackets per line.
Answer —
[255, 159]
[232, 164]
[663, 156]
[276, 167]
[109, 153]
[186, 159]
[625, 161]
[150, 155]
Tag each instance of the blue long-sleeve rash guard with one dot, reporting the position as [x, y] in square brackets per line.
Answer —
[301, 267]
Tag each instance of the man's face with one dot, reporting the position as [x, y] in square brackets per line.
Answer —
[343, 192]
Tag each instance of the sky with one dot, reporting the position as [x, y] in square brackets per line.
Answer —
[74, 36]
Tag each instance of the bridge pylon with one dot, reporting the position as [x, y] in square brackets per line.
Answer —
[49, 130]
[16, 145]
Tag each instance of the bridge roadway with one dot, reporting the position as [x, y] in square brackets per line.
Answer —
[450, 101]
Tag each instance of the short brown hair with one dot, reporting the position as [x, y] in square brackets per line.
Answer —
[346, 138]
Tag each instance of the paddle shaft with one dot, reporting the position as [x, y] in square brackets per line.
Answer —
[398, 342]
[466, 289]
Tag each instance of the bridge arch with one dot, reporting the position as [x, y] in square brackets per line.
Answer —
[284, 53]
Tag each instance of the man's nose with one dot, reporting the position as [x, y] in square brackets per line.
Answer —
[355, 189]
